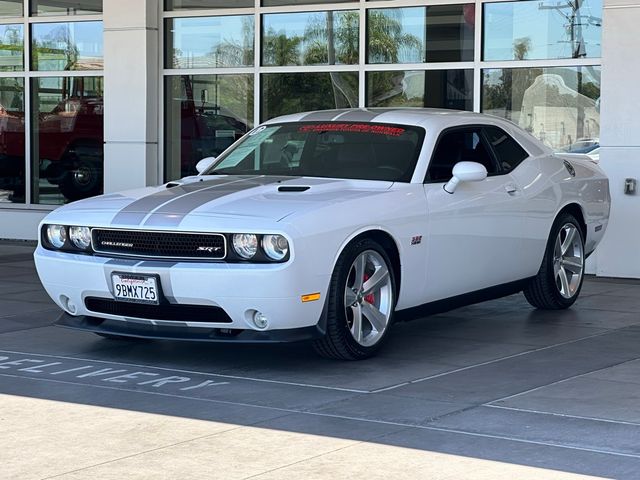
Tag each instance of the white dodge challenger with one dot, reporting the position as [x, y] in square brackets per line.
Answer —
[328, 226]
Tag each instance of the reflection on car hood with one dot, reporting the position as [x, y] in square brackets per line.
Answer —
[223, 197]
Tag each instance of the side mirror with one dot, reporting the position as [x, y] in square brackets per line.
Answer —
[204, 164]
[465, 172]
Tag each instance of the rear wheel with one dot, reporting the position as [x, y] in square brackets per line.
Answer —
[361, 303]
[559, 280]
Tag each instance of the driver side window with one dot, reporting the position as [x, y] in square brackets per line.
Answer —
[459, 145]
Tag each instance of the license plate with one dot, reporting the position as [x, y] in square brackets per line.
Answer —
[135, 288]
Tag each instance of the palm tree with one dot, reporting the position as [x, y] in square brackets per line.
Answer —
[388, 43]
[278, 49]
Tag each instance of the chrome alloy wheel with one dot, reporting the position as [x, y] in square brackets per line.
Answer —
[368, 298]
[568, 260]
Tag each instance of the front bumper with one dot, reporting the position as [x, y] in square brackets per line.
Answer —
[164, 331]
[238, 289]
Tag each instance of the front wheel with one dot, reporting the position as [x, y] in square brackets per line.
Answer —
[559, 280]
[362, 298]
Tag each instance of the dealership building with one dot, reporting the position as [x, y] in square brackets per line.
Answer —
[100, 96]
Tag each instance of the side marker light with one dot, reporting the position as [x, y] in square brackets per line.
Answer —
[312, 297]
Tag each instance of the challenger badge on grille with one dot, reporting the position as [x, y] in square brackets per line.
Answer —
[107, 243]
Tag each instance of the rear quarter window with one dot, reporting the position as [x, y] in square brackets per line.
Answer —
[508, 152]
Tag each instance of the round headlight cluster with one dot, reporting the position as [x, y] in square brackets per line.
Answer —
[57, 235]
[275, 246]
[245, 245]
[80, 237]
[69, 239]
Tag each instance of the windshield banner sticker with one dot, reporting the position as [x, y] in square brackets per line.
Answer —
[353, 128]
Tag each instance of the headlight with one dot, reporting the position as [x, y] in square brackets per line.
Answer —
[80, 237]
[56, 235]
[275, 246]
[245, 245]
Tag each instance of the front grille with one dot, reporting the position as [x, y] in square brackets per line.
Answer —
[153, 244]
[173, 312]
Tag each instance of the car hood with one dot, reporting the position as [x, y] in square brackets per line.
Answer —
[181, 203]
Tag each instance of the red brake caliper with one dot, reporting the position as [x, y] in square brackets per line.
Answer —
[371, 298]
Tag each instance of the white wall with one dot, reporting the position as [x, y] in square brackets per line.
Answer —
[20, 224]
[131, 81]
[619, 253]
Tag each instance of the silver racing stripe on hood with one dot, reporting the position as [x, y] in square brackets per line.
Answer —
[171, 214]
[171, 210]
[134, 213]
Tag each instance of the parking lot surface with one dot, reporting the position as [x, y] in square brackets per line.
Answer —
[495, 390]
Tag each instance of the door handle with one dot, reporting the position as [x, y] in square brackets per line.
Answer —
[511, 189]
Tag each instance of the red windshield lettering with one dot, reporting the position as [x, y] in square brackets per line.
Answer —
[352, 128]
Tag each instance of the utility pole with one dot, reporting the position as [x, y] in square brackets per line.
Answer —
[574, 20]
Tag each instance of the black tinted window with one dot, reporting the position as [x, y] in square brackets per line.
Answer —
[508, 151]
[458, 146]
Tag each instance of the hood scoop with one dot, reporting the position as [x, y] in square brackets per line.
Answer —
[293, 188]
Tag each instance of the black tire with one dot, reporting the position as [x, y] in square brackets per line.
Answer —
[543, 291]
[83, 181]
[339, 343]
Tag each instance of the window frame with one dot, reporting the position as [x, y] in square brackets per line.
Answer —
[481, 133]
[495, 153]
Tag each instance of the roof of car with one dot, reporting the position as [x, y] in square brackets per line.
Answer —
[407, 116]
[433, 119]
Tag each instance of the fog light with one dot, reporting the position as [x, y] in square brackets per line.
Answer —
[260, 320]
[71, 307]
[68, 305]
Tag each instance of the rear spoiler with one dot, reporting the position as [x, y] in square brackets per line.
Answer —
[577, 156]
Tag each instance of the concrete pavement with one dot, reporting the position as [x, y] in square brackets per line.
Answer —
[495, 390]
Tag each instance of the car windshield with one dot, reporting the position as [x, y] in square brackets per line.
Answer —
[364, 151]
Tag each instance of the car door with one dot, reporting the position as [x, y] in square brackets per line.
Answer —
[474, 234]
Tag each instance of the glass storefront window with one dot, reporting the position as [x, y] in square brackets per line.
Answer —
[277, 3]
[56, 7]
[206, 4]
[311, 38]
[418, 88]
[450, 33]
[11, 48]
[67, 138]
[529, 30]
[558, 105]
[438, 33]
[204, 114]
[284, 93]
[210, 42]
[396, 35]
[11, 8]
[67, 46]
[12, 138]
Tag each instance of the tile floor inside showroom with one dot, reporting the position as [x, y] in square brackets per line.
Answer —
[491, 391]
